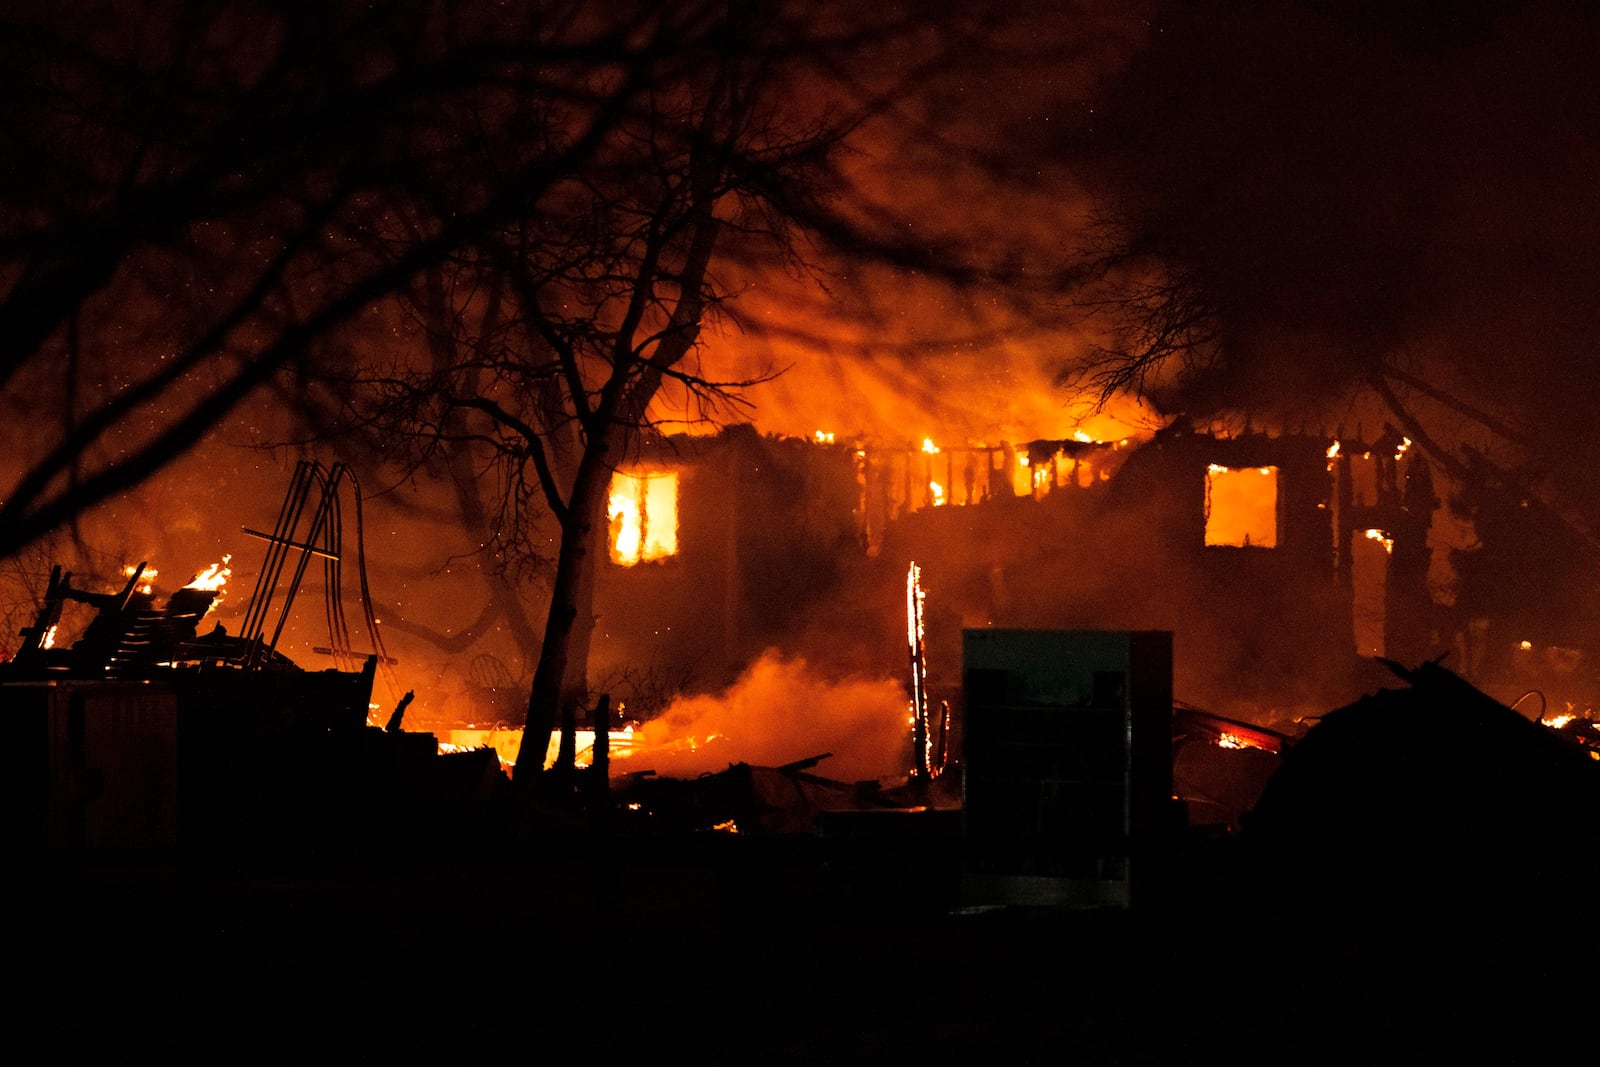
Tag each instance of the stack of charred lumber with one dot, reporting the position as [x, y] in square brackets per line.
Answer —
[128, 636]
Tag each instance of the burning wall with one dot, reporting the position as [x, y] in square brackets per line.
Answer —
[1256, 625]
[767, 534]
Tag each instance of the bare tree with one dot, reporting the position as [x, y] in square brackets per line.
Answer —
[565, 194]
[567, 326]
[193, 189]
[1307, 202]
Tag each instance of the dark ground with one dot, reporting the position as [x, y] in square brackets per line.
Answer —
[1417, 883]
[772, 951]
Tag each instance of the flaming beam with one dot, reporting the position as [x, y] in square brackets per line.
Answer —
[919, 674]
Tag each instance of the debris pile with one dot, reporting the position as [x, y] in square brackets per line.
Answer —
[1431, 800]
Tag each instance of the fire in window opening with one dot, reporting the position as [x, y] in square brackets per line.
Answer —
[1242, 506]
[643, 514]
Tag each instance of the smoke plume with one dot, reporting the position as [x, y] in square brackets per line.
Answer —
[779, 711]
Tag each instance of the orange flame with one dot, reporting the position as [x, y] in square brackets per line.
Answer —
[212, 579]
[643, 512]
[1242, 506]
[146, 580]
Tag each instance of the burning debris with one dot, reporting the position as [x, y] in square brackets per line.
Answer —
[160, 735]
[129, 636]
[1220, 766]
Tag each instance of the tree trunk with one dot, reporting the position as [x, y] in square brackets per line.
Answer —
[562, 672]
[600, 762]
[575, 679]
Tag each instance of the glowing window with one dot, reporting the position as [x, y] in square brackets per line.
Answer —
[1242, 506]
[644, 516]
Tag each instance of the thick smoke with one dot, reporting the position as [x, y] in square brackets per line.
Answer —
[781, 710]
[1389, 195]
[962, 334]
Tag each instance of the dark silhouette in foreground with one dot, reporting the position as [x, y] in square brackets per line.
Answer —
[1432, 802]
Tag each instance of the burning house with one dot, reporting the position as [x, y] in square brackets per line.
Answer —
[720, 547]
[1281, 563]
[1281, 570]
